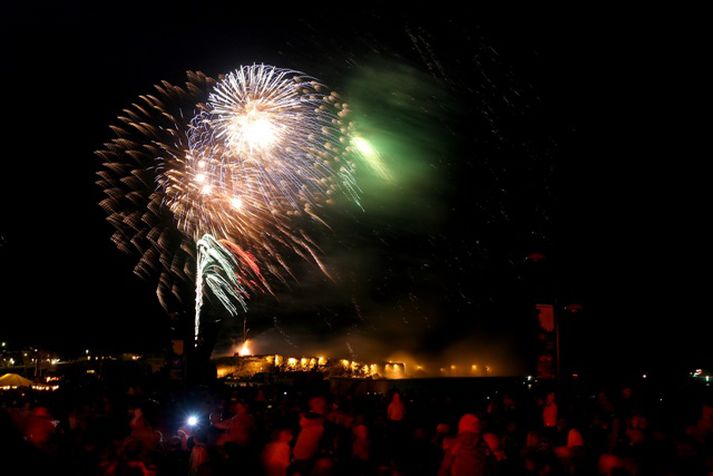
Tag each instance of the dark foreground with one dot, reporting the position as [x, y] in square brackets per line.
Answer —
[140, 426]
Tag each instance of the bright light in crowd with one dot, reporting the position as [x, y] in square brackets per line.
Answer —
[236, 202]
[207, 189]
[200, 178]
[192, 420]
[245, 349]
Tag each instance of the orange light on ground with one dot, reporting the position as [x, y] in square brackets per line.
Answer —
[223, 372]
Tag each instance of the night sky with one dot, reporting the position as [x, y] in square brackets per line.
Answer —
[576, 139]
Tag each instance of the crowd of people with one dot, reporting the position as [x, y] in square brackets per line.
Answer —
[279, 430]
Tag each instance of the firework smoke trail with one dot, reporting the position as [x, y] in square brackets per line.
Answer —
[216, 270]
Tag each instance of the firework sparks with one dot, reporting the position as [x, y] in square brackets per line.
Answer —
[150, 141]
[267, 147]
[216, 271]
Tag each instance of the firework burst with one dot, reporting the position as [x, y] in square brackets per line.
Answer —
[247, 159]
[268, 147]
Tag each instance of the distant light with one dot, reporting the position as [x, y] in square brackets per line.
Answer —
[529, 377]
[245, 349]
[192, 420]
[4, 344]
[86, 351]
[644, 376]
